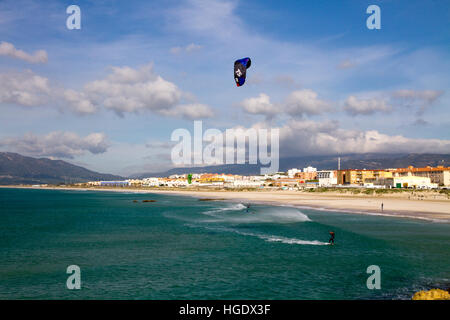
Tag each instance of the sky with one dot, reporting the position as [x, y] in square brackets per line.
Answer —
[108, 96]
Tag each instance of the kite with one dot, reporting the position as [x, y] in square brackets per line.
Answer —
[240, 70]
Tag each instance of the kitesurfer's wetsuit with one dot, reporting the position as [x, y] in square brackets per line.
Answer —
[331, 238]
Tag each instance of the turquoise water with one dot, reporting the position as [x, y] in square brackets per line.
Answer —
[182, 248]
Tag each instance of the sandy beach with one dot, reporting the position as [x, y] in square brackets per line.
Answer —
[424, 205]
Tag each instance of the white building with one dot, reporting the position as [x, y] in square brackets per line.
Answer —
[414, 182]
[152, 182]
[274, 176]
[309, 169]
[257, 178]
[291, 172]
[226, 177]
[135, 182]
[327, 178]
[176, 183]
[178, 176]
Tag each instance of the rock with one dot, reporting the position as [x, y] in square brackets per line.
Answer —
[148, 200]
[209, 199]
[433, 294]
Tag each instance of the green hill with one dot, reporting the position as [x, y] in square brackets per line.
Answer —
[18, 169]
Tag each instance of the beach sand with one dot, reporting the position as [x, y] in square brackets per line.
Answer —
[425, 205]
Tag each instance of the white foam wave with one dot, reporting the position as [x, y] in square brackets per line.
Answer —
[268, 238]
[284, 239]
[294, 241]
[256, 215]
[287, 215]
[234, 207]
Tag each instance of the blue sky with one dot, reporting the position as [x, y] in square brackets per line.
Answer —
[108, 96]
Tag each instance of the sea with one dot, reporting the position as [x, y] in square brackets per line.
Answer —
[178, 247]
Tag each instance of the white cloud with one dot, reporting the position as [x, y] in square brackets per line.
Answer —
[320, 138]
[135, 90]
[307, 137]
[260, 105]
[57, 144]
[189, 111]
[79, 102]
[355, 106]
[305, 102]
[24, 88]
[130, 90]
[123, 90]
[8, 49]
[298, 103]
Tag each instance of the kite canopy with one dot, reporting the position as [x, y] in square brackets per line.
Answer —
[240, 70]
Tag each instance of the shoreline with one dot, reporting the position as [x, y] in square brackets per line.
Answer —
[394, 205]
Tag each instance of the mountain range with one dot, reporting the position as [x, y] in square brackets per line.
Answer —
[18, 169]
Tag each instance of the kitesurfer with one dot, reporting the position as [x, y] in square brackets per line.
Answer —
[331, 241]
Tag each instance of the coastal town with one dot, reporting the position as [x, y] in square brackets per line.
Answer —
[296, 179]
